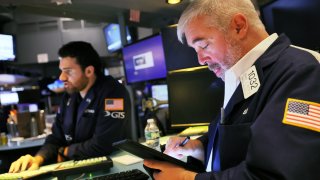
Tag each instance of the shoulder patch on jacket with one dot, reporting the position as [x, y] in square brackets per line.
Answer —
[304, 114]
[113, 104]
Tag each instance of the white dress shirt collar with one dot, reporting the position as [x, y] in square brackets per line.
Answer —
[232, 75]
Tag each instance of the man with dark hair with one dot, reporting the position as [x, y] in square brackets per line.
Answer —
[92, 115]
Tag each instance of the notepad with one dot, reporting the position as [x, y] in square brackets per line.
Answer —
[127, 159]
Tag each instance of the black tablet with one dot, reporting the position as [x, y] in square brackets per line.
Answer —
[145, 152]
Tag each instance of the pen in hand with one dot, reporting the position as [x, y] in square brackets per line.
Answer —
[184, 142]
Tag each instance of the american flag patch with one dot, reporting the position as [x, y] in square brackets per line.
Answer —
[303, 114]
[113, 104]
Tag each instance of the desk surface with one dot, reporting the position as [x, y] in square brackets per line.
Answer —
[24, 144]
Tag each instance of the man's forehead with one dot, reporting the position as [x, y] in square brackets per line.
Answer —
[68, 63]
[194, 36]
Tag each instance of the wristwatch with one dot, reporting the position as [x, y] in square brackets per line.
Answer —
[61, 152]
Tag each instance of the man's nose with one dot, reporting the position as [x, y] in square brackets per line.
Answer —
[201, 59]
[63, 77]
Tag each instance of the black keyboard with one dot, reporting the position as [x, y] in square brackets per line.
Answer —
[134, 174]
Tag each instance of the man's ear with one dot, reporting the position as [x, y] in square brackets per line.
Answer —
[239, 26]
[89, 71]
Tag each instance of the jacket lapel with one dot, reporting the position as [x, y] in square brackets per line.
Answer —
[84, 105]
[235, 99]
[69, 116]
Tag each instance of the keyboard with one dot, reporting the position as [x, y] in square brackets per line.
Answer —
[25, 174]
[61, 170]
[83, 166]
[134, 174]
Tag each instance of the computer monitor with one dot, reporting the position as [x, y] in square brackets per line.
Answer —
[144, 60]
[29, 96]
[113, 37]
[9, 98]
[160, 92]
[7, 47]
[178, 55]
[195, 96]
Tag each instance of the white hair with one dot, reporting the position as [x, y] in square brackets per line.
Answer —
[220, 12]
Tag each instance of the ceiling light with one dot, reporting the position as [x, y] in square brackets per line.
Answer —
[173, 1]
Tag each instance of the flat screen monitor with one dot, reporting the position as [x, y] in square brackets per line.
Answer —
[195, 96]
[29, 96]
[9, 98]
[113, 37]
[7, 47]
[145, 60]
[160, 92]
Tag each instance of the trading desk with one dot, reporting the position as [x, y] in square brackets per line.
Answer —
[117, 167]
[47, 172]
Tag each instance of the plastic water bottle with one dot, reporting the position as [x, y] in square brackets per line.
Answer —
[33, 127]
[12, 129]
[152, 134]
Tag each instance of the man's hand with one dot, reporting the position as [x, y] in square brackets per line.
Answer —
[26, 162]
[169, 171]
[192, 148]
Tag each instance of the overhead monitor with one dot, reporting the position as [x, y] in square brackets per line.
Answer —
[7, 47]
[113, 37]
[144, 60]
[195, 96]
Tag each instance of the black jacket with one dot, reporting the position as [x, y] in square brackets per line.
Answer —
[90, 128]
[254, 142]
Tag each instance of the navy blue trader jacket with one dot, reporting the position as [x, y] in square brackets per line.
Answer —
[89, 127]
[256, 141]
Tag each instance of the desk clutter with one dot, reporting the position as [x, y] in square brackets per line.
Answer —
[61, 170]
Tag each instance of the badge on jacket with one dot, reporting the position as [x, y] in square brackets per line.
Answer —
[304, 114]
[250, 82]
[114, 108]
[68, 137]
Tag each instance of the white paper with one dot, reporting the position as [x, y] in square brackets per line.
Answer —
[127, 159]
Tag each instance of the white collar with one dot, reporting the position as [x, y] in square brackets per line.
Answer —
[233, 74]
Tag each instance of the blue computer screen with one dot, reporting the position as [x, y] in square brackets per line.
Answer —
[7, 49]
[8, 98]
[145, 60]
[113, 37]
